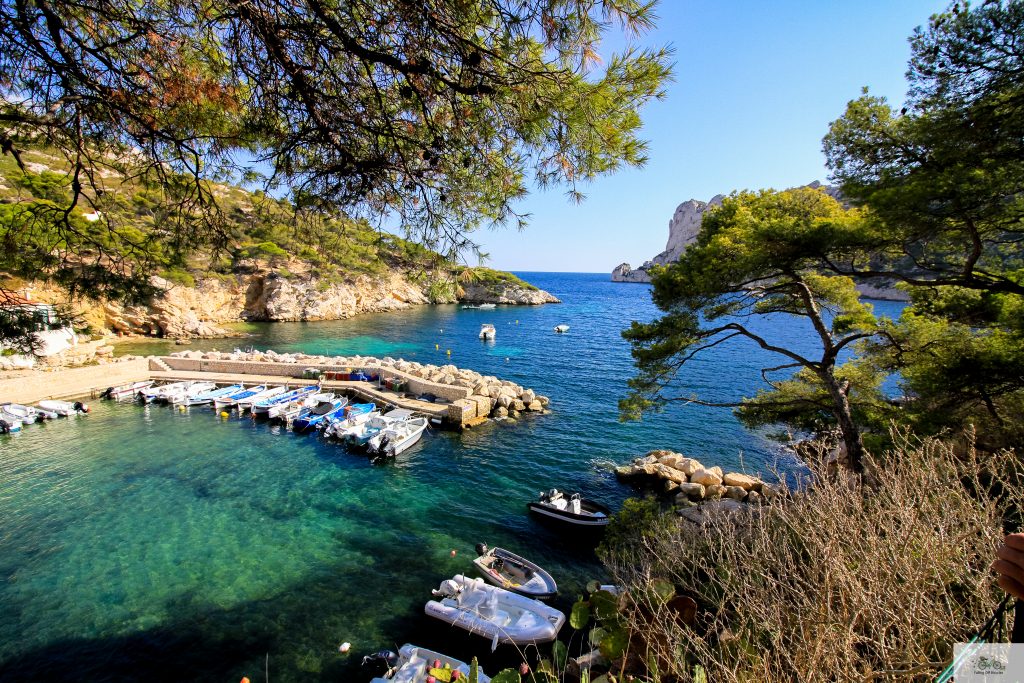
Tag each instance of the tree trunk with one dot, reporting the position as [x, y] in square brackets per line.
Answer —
[844, 419]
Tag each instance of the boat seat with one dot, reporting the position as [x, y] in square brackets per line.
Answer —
[559, 504]
[412, 671]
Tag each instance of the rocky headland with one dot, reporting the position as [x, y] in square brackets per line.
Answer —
[183, 312]
[682, 232]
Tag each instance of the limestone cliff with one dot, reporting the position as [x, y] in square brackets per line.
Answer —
[682, 232]
[180, 311]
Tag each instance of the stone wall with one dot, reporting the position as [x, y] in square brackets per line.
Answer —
[71, 383]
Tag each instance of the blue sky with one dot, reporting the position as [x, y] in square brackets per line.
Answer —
[756, 85]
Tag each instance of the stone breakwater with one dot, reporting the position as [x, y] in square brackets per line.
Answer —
[470, 395]
[698, 490]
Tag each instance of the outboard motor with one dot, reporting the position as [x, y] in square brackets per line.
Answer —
[449, 588]
[387, 658]
[81, 407]
[481, 548]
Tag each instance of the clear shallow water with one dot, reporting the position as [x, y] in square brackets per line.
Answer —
[140, 543]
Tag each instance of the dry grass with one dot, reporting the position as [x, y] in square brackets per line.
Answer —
[839, 583]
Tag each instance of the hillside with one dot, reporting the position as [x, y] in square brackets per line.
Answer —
[255, 259]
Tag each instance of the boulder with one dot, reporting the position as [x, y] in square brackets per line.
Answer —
[645, 460]
[527, 396]
[755, 498]
[628, 471]
[714, 491]
[535, 406]
[691, 490]
[744, 481]
[706, 477]
[500, 411]
[518, 405]
[669, 473]
[544, 400]
[735, 492]
[670, 486]
[689, 465]
[716, 469]
[671, 460]
[712, 509]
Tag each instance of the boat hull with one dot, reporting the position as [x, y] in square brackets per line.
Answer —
[414, 664]
[497, 615]
[571, 519]
[516, 573]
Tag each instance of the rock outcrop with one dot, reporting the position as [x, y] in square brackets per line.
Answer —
[683, 230]
[184, 312]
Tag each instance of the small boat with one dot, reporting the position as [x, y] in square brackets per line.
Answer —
[274, 404]
[355, 415]
[324, 410]
[9, 425]
[487, 307]
[189, 393]
[46, 414]
[416, 663]
[505, 569]
[396, 438]
[158, 394]
[207, 397]
[123, 391]
[23, 414]
[574, 511]
[561, 329]
[64, 408]
[287, 412]
[361, 435]
[487, 332]
[244, 404]
[494, 613]
[231, 400]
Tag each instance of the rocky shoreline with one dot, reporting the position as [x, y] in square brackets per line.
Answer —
[197, 312]
[698, 491]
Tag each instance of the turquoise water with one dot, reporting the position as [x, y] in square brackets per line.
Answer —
[140, 543]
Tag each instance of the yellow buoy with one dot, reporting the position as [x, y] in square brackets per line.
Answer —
[449, 352]
[437, 347]
[223, 413]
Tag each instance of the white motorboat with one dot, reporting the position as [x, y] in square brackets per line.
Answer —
[487, 332]
[356, 415]
[153, 394]
[494, 613]
[412, 664]
[46, 414]
[64, 408]
[229, 401]
[487, 307]
[207, 397]
[572, 511]
[244, 404]
[126, 391]
[269, 407]
[190, 392]
[361, 434]
[286, 412]
[397, 437]
[23, 414]
[515, 573]
[561, 329]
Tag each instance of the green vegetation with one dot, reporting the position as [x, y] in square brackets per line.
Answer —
[489, 278]
[438, 116]
[937, 189]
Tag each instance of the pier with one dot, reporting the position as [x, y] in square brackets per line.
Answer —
[463, 398]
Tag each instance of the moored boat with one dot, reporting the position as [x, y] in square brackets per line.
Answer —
[494, 613]
[231, 400]
[156, 394]
[487, 307]
[64, 408]
[324, 410]
[23, 414]
[353, 419]
[572, 511]
[487, 332]
[412, 664]
[264, 407]
[208, 397]
[287, 412]
[361, 435]
[189, 393]
[9, 425]
[46, 414]
[505, 569]
[244, 404]
[561, 328]
[126, 391]
[397, 437]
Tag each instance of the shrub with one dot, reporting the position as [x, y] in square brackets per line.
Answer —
[841, 582]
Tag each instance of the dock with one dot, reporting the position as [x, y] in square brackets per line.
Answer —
[463, 398]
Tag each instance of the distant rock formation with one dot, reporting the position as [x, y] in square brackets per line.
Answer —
[683, 230]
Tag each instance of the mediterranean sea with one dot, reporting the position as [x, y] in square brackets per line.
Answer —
[142, 543]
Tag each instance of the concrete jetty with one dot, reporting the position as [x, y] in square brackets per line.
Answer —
[463, 398]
